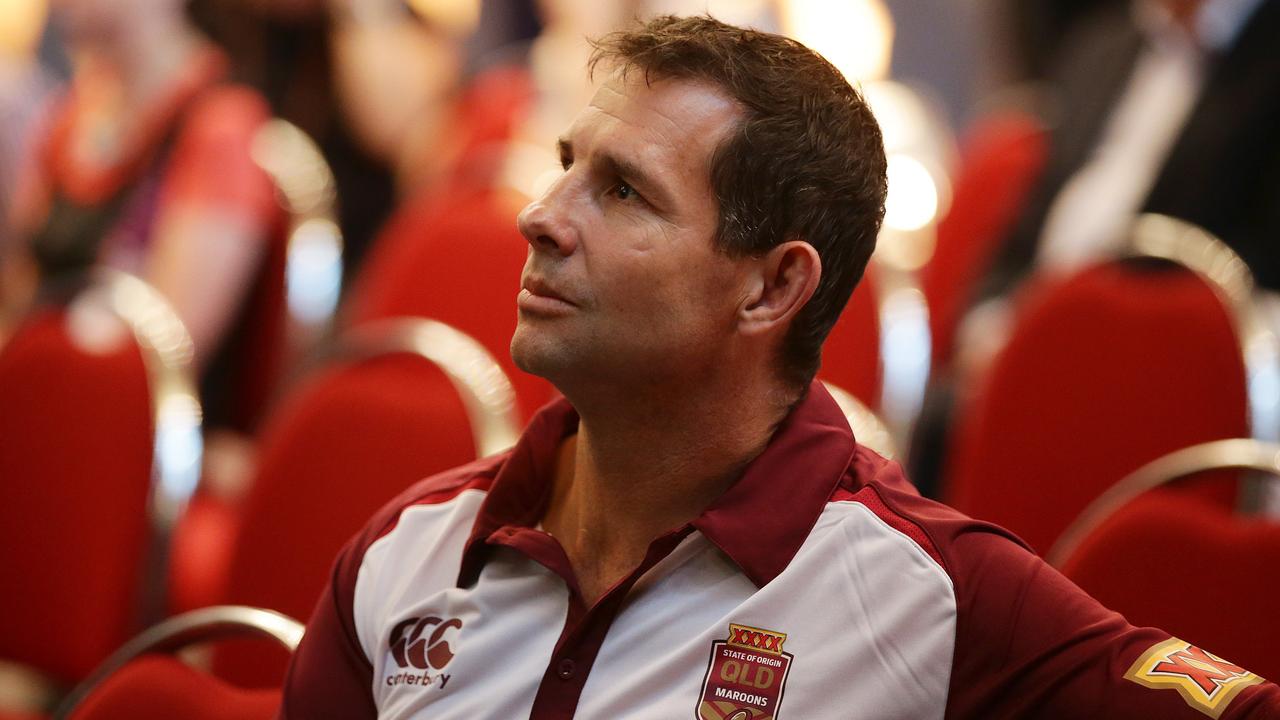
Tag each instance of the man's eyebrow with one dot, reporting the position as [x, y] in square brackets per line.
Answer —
[633, 173]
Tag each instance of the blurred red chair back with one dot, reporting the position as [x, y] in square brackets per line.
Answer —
[347, 441]
[1002, 156]
[101, 449]
[75, 476]
[160, 687]
[456, 259]
[142, 680]
[851, 356]
[1106, 370]
[1199, 572]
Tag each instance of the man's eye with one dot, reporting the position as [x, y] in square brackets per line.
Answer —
[624, 191]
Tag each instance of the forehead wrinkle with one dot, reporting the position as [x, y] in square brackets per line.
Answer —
[727, 109]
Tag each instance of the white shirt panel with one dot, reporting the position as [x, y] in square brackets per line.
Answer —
[511, 618]
[871, 629]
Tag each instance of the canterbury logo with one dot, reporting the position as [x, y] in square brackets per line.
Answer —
[410, 649]
[756, 639]
[1206, 682]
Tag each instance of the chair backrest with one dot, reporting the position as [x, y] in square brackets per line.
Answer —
[878, 351]
[1219, 455]
[314, 246]
[141, 680]
[99, 449]
[1106, 370]
[1001, 158]
[457, 258]
[410, 398]
[851, 358]
[1200, 572]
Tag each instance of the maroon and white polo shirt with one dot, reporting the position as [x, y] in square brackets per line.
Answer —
[819, 586]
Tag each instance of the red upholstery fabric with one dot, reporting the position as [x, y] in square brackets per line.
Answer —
[456, 259]
[75, 463]
[164, 688]
[1001, 158]
[851, 354]
[344, 444]
[1200, 573]
[200, 553]
[1106, 370]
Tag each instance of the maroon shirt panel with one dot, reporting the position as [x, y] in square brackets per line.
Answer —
[329, 675]
[1030, 643]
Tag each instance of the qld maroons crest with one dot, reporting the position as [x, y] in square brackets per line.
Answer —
[745, 676]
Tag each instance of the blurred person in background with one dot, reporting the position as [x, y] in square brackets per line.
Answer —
[1167, 106]
[146, 167]
[286, 50]
[1023, 37]
[397, 69]
[32, 69]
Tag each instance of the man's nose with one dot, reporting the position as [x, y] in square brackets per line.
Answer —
[547, 225]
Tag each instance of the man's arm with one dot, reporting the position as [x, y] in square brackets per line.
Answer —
[1029, 643]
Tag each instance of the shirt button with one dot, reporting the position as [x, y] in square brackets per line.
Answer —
[565, 670]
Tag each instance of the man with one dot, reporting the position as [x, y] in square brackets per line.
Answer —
[694, 532]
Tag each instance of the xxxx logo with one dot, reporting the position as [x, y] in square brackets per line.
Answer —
[751, 638]
[1205, 681]
[422, 644]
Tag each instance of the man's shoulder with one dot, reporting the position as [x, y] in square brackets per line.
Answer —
[438, 490]
[956, 542]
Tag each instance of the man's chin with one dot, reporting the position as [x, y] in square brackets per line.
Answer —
[536, 355]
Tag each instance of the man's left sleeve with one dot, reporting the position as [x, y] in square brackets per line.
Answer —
[1030, 644]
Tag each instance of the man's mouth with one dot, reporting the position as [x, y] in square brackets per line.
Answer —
[538, 297]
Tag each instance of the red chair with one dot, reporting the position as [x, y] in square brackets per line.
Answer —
[456, 259]
[851, 356]
[406, 399]
[879, 348]
[1106, 369]
[307, 264]
[453, 253]
[1165, 559]
[1001, 158]
[96, 459]
[142, 680]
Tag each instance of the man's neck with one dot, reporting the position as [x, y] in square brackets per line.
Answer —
[644, 465]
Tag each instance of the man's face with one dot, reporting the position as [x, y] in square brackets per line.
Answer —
[623, 282]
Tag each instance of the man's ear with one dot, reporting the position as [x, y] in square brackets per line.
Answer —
[786, 277]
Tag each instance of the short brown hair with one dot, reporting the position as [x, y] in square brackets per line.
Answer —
[806, 160]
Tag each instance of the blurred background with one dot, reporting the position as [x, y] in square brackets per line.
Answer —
[258, 261]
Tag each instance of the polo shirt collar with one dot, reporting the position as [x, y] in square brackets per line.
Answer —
[760, 522]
